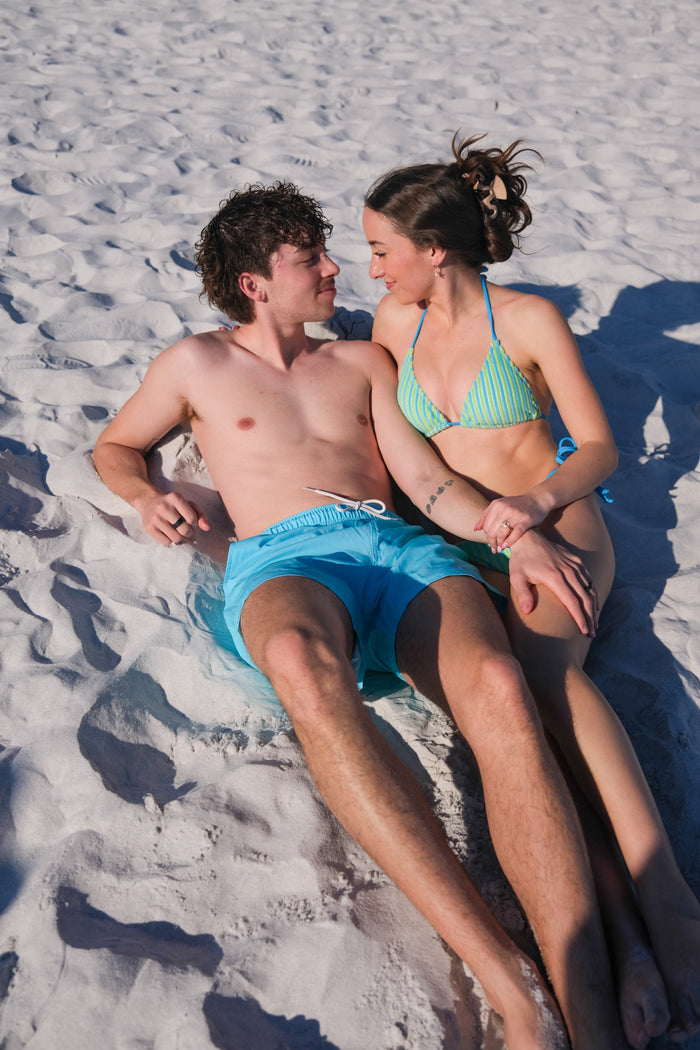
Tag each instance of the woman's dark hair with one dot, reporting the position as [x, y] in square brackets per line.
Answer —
[457, 206]
[249, 228]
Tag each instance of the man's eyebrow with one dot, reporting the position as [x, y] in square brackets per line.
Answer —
[308, 252]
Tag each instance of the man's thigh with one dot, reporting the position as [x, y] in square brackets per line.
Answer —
[294, 604]
[445, 634]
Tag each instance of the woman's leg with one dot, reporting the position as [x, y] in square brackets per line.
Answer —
[598, 751]
[640, 988]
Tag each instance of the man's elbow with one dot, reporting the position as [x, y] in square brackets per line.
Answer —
[107, 454]
[99, 457]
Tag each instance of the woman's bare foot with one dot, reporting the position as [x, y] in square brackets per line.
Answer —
[681, 975]
[675, 939]
[642, 996]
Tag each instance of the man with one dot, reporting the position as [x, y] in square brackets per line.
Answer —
[297, 435]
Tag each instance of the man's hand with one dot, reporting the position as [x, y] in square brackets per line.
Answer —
[169, 518]
[537, 562]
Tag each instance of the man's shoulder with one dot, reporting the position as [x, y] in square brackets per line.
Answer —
[193, 348]
[365, 356]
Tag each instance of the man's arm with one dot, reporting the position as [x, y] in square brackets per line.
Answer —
[120, 452]
[454, 505]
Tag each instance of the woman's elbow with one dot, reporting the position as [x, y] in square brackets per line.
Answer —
[611, 458]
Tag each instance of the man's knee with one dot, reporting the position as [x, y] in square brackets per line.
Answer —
[502, 708]
[303, 662]
[297, 632]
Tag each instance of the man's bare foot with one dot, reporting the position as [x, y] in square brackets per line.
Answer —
[642, 997]
[531, 1018]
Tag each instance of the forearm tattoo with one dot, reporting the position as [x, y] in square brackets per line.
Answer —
[434, 495]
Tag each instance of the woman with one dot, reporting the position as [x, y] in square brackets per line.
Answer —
[432, 228]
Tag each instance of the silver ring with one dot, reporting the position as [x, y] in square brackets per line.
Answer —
[176, 524]
[506, 524]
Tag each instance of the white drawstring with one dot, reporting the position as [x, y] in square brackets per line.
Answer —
[376, 507]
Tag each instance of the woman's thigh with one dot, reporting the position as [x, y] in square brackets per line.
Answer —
[548, 633]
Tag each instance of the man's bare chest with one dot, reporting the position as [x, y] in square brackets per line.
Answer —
[325, 402]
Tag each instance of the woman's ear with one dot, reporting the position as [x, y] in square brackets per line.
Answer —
[437, 256]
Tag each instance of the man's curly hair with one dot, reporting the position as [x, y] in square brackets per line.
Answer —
[246, 232]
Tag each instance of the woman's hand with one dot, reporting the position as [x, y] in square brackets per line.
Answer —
[506, 519]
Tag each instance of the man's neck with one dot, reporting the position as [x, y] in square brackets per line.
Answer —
[274, 342]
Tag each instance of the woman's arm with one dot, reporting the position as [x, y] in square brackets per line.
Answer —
[556, 356]
[449, 500]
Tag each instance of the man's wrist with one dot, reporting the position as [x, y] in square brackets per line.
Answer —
[526, 541]
[144, 494]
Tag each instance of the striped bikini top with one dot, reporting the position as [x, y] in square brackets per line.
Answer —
[500, 397]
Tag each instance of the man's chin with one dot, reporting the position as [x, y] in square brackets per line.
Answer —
[325, 308]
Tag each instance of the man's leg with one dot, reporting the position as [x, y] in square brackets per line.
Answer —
[452, 646]
[299, 634]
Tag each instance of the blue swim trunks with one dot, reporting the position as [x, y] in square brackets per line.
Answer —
[375, 565]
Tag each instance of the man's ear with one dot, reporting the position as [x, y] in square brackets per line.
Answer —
[250, 286]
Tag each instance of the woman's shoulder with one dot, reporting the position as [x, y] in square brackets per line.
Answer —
[523, 305]
[534, 332]
[523, 316]
[394, 325]
[390, 309]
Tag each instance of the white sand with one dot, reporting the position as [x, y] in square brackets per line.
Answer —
[169, 879]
